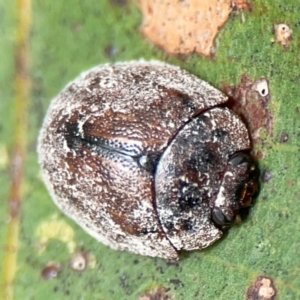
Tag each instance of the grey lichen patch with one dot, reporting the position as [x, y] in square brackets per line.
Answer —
[262, 289]
[266, 175]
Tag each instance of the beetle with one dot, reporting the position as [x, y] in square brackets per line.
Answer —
[143, 157]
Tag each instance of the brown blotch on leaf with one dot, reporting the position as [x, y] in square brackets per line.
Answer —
[284, 137]
[50, 270]
[241, 4]
[259, 154]
[262, 289]
[110, 51]
[157, 293]
[186, 26]
[250, 100]
[283, 34]
[119, 2]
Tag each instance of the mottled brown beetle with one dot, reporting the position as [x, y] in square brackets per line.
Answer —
[139, 156]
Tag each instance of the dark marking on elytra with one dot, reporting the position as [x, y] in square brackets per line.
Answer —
[187, 225]
[189, 196]
[72, 135]
[145, 231]
[219, 134]
[147, 161]
[169, 225]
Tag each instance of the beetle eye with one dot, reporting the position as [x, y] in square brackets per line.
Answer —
[219, 218]
[240, 158]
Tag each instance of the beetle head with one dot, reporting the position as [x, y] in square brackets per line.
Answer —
[238, 186]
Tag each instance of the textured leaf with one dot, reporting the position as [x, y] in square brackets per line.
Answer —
[69, 37]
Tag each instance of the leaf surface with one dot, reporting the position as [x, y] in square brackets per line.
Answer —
[67, 38]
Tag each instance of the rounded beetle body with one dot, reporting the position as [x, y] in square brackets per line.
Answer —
[138, 154]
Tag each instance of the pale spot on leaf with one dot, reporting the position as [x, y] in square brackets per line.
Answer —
[3, 156]
[283, 34]
[54, 228]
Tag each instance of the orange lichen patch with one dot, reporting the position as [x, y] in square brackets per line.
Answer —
[283, 34]
[186, 26]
